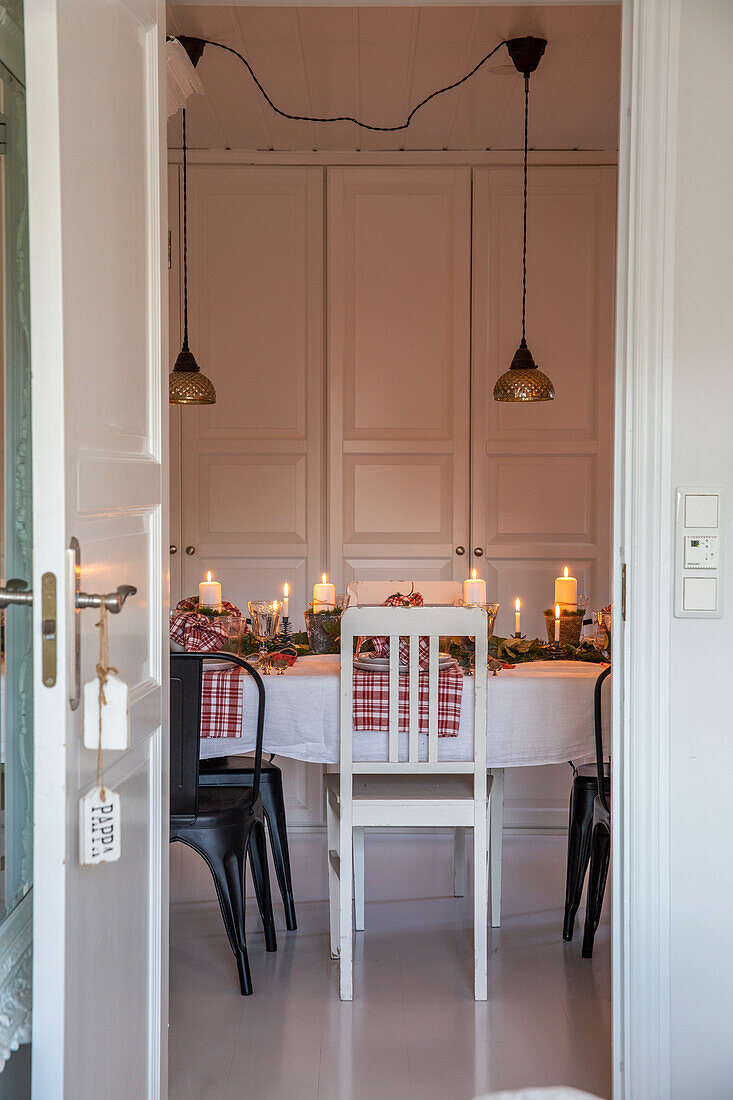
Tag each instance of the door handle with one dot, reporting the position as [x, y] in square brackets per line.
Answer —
[478, 552]
[78, 600]
[460, 550]
[15, 592]
[190, 550]
[173, 549]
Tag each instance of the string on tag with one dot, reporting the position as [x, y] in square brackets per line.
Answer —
[103, 670]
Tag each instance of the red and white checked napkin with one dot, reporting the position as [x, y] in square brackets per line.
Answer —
[222, 690]
[371, 701]
[198, 633]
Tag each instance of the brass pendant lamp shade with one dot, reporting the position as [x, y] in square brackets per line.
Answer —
[187, 385]
[524, 381]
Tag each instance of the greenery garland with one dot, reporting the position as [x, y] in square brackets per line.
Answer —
[515, 651]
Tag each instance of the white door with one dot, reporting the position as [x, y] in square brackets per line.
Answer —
[96, 198]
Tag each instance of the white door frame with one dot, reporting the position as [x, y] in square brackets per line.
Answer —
[641, 685]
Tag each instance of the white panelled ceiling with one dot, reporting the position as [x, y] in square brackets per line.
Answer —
[377, 63]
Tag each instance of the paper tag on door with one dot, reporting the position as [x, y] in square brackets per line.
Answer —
[99, 826]
[115, 714]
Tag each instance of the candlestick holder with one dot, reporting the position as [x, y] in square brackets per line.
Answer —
[556, 650]
[286, 632]
[519, 637]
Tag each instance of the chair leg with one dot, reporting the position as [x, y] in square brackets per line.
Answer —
[580, 827]
[459, 862]
[227, 871]
[273, 803]
[359, 879]
[346, 886]
[600, 855]
[496, 841]
[261, 879]
[332, 827]
[480, 904]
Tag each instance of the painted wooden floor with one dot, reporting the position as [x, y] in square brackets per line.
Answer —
[413, 1030]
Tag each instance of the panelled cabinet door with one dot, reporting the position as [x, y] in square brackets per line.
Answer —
[251, 482]
[252, 463]
[541, 491]
[399, 257]
[541, 473]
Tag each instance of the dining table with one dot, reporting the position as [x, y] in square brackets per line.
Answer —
[538, 712]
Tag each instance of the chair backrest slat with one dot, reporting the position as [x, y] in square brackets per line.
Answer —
[414, 623]
[394, 703]
[414, 682]
[433, 699]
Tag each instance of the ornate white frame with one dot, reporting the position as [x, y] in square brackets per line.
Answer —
[16, 935]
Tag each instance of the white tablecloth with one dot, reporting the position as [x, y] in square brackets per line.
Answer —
[540, 713]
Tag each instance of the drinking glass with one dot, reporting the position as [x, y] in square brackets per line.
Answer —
[265, 617]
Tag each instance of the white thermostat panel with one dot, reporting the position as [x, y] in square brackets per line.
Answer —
[699, 554]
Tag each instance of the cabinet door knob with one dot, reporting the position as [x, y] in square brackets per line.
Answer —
[190, 550]
[173, 549]
[460, 550]
[478, 552]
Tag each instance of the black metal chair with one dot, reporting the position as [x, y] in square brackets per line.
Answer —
[237, 771]
[587, 782]
[222, 825]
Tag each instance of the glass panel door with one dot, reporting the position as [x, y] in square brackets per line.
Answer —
[16, 535]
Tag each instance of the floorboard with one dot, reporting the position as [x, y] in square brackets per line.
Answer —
[413, 1030]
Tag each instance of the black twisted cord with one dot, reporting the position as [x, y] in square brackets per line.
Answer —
[524, 227]
[185, 240]
[348, 118]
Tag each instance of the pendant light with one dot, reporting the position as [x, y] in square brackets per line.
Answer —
[524, 381]
[186, 383]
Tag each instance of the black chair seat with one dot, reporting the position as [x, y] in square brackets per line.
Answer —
[238, 771]
[223, 805]
[225, 825]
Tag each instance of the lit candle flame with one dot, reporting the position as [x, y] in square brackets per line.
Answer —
[324, 578]
[557, 610]
[517, 604]
[565, 572]
[286, 590]
[473, 574]
[208, 577]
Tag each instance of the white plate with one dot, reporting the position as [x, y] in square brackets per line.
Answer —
[381, 664]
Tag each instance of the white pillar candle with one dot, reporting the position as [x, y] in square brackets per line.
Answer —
[566, 591]
[517, 616]
[557, 622]
[324, 595]
[210, 593]
[474, 589]
[286, 600]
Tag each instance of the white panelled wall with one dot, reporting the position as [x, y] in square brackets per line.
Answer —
[354, 321]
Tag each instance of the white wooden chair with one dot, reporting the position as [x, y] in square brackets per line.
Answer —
[448, 593]
[411, 792]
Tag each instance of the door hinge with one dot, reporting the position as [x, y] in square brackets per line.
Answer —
[3, 135]
[623, 592]
[169, 249]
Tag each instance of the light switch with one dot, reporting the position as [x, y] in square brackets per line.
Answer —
[699, 552]
[700, 594]
[701, 510]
